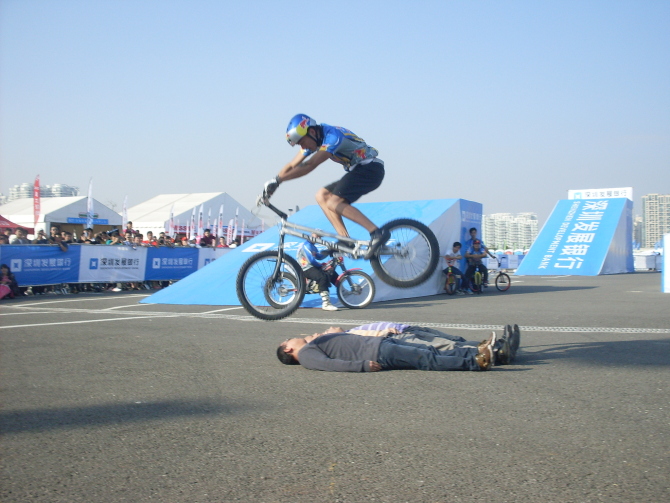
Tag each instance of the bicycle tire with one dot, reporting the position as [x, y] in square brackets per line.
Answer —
[266, 299]
[410, 255]
[356, 294]
[503, 282]
[476, 283]
[451, 284]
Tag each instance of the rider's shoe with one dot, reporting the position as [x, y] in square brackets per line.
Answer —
[377, 238]
[325, 302]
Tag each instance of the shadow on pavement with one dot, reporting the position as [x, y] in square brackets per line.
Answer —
[638, 353]
[22, 421]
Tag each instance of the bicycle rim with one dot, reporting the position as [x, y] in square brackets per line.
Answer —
[503, 282]
[356, 290]
[409, 257]
[264, 297]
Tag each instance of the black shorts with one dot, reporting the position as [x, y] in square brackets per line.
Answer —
[362, 179]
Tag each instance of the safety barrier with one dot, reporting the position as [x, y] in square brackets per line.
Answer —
[49, 265]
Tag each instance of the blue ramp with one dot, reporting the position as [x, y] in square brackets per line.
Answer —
[583, 237]
[214, 284]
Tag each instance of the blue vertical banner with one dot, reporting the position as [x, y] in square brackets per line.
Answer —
[42, 265]
[579, 237]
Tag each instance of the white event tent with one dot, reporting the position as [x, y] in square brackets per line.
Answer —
[154, 214]
[69, 213]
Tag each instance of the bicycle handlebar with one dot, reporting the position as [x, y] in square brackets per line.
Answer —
[264, 199]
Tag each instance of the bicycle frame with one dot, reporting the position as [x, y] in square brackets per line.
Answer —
[307, 233]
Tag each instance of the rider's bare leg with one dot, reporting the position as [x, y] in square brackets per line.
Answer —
[335, 207]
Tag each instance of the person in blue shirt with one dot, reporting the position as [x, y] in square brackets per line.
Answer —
[364, 172]
[308, 256]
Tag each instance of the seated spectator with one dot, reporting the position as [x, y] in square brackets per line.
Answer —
[151, 240]
[41, 238]
[4, 240]
[8, 285]
[115, 239]
[452, 259]
[207, 239]
[137, 241]
[86, 235]
[21, 238]
[129, 238]
[222, 243]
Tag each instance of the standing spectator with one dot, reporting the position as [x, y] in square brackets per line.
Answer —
[41, 238]
[129, 228]
[21, 238]
[208, 239]
[4, 240]
[151, 240]
[54, 232]
[8, 285]
[222, 243]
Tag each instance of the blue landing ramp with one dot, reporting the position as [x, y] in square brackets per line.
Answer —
[583, 237]
[214, 284]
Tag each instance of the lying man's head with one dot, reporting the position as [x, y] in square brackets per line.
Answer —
[287, 351]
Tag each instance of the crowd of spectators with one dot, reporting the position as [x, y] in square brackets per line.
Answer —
[126, 237]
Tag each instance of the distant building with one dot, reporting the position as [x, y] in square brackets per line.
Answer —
[25, 191]
[504, 230]
[655, 218]
[638, 223]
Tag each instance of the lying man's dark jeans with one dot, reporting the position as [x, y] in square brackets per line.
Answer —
[399, 355]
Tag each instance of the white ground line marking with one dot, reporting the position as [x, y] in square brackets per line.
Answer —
[127, 305]
[76, 300]
[85, 321]
[219, 310]
[345, 322]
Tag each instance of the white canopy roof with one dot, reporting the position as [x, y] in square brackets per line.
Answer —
[56, 210]
[154, 213]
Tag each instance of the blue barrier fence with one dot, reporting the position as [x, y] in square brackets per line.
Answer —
[49, 265]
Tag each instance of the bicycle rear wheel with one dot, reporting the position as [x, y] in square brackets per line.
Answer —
[503, 282]
[410, 255]
[267, 298]
[356, 289]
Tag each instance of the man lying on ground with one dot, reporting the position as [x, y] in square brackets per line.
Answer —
[348, 352]
[504, 351]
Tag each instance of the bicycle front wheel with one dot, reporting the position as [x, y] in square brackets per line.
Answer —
[476, 283]
[265, 296]
[410, 255]
[503, 282]
[451, 284]
[356, 289]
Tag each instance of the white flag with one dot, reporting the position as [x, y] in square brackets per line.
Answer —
[124, 214]
[229, 234]
[89, 206]
[170, 225]
[200, 222]
[191, 229]
[219, 231]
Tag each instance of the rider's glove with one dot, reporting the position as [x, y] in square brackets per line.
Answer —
[271, 186]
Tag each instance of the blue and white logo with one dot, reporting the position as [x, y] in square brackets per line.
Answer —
[15, 264]
[93, 264]
[156, 263]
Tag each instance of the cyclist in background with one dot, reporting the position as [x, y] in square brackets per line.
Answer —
[364, 172]
[308, 257]
[475, 256]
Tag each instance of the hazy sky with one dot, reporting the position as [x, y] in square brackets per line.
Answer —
[509, 103]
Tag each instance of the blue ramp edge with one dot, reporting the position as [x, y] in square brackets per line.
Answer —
[582, 236]
[214, 284]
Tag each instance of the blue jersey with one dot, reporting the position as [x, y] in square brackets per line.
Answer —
[345, 147]
[307, 257]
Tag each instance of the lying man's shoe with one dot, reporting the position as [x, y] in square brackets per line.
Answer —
[502, 355]
[377, 239]
[485, 356]
[514, 341]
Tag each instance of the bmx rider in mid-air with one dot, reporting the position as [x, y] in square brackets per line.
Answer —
[364, 172]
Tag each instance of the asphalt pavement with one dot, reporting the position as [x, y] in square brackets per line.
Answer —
[107, 400]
